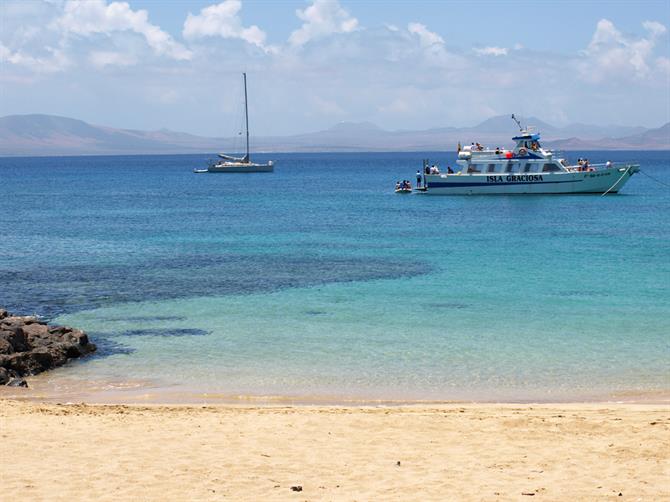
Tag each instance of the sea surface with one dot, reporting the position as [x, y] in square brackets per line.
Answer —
[317, 282]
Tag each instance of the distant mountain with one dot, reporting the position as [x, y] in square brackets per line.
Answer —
[650, 139]
[53, 135]
[502, 124]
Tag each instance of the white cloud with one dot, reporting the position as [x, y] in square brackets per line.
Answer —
[110, 58]
[397, 106]
[326, 106]
[655, 28]
[427, 38]
[611, 54]
[491, 51]
[322, 18]
[223, 20]
[96, 16]
[55, 61]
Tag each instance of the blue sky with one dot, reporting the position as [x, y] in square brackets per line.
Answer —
[151, 64]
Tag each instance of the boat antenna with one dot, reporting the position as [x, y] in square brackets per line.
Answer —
[517, 122]
[246, 114]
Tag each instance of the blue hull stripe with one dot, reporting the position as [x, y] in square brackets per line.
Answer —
[470, 184]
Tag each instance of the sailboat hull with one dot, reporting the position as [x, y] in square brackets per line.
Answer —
[239, 167]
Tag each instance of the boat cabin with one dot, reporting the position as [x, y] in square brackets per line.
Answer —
[527, 157]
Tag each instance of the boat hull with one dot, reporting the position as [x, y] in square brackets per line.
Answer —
[241, 168]
[601, 181]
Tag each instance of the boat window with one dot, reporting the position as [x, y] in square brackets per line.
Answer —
[473, 169]
[550, 168]
[526, 168]
[510, 167]
[491, 169]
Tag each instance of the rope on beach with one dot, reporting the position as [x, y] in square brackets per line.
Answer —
[617, 181]
[656, 180]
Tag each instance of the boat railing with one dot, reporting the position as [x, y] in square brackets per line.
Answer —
[601, 165]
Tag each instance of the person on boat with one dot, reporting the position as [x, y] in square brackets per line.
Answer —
[450, 170]
[608, 164]
[418, 179]
[498, 152]
[427, 169]
[479, 147]
[397, 185]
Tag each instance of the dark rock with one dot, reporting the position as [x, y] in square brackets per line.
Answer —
[17, 382]
[31, 363]
[297, 488]
[29, 346]
[12, 339]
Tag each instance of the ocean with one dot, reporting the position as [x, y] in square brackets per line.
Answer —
[317, 282]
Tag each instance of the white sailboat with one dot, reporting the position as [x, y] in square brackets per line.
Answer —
[230, 164]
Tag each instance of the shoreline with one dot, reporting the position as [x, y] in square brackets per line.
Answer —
[42, 389]
[250, 452]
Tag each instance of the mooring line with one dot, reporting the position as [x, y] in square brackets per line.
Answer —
[617, 181]
[656, 180]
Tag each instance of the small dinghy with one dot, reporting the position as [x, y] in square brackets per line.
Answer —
[198, 171]
[403, 186]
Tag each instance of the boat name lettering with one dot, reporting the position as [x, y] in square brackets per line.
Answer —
[513, 177]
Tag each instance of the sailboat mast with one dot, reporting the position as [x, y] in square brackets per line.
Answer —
[246, 113]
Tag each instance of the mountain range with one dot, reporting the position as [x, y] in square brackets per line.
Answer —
[26, 135]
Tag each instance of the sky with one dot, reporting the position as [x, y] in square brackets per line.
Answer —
[154, 64]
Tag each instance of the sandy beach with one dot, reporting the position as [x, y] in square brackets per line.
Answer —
[419, 452]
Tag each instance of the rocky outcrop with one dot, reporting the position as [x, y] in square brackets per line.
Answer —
[29, 346]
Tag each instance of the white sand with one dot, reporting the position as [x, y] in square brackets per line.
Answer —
[446, 452]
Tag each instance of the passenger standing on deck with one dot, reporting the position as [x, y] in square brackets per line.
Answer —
[418, 179]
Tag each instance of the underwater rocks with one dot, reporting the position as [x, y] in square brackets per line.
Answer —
[29, 346]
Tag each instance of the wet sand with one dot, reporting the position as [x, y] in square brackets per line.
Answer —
[420, 452]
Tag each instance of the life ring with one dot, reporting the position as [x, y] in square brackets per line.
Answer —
[522, 151]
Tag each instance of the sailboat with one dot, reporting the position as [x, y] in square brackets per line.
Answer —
[230, 164]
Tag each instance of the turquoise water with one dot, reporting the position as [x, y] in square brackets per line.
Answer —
[319, 281]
